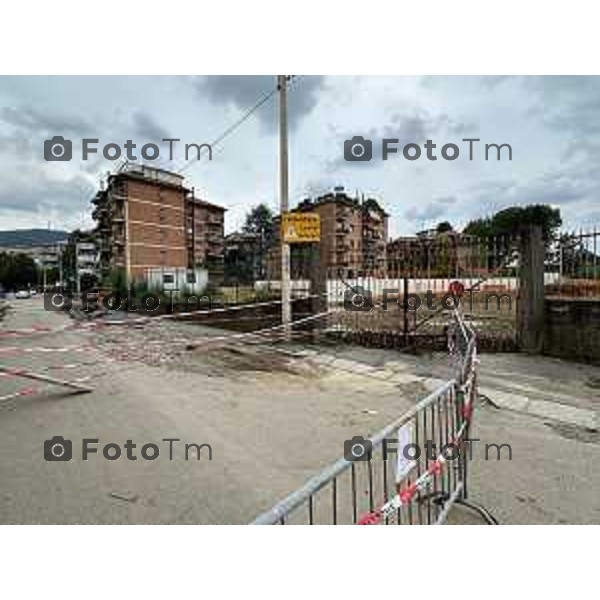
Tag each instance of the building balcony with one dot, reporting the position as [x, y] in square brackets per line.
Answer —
[343, 230]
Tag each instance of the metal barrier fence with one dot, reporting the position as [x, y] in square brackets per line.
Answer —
[411, 472]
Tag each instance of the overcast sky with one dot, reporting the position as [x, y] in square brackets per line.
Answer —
[551, 123]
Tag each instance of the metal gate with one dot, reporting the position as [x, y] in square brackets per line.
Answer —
[405, 303]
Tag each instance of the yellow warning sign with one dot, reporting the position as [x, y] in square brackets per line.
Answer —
[300, 228]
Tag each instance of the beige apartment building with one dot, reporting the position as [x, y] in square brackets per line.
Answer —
[353, 238]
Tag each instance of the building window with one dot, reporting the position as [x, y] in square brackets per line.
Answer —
[191, 278]
[168, 278]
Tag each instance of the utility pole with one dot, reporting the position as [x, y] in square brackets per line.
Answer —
[286, 306]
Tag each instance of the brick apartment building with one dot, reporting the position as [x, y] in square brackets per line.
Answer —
[141, 221]
[353, 237]
[432, 253]
[205, 225]
[144, 221]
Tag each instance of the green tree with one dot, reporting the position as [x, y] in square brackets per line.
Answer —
[444, 227]
[481, 228]
[515, 219]
[17, 271]
[259, 220]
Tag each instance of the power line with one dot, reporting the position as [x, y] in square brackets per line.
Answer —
[263, 99]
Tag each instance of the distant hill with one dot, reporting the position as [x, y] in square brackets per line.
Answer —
[31, 237]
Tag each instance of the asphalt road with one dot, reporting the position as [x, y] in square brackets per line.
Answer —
[271, 425]
[269, 431]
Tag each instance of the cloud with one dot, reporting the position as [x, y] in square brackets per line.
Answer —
[555, 189]
[414, 127]
[15, 145]
[243, 91]
[28, 120]
[317, 186]
[553, 124]
[571, 193]
[147, 128]
[430, 211]
[571, 106]
[411, 128]
[493, 81]
[34, 191]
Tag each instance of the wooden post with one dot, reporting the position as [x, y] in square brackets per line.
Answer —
[530, 305]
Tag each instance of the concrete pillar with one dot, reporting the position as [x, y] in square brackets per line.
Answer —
[530, 306]
[318, 285]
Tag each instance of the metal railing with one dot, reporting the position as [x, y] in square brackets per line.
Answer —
[411, 472]
[573, 260]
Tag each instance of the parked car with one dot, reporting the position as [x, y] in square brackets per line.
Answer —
[33, 292]
[22, 294]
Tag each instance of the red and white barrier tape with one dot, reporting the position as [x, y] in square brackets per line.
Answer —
[37, 330]
[407, 493]
[44, 329]
[28, 391]
[207, 341]
[44, 349]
